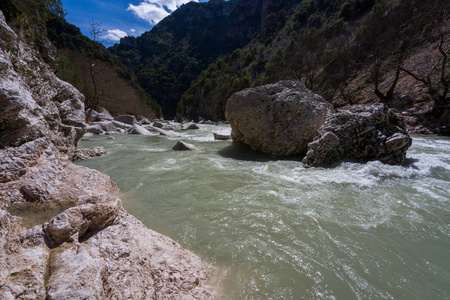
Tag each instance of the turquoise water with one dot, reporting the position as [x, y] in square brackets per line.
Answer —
[276, 230]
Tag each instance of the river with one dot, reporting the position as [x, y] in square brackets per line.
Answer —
[276, 230]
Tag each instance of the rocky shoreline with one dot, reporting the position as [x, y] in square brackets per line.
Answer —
[93, 248]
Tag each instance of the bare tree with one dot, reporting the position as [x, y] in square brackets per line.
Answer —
[376, 74]
[342, 54]
[311, 62]
[437, 81]
[92, 99]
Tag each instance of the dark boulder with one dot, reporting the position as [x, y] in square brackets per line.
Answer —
[127, 119]
[364, 132]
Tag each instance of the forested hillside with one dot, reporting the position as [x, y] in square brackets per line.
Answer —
[171, 55]
[349, 51]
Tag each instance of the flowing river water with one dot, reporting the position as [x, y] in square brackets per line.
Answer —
[276, 230]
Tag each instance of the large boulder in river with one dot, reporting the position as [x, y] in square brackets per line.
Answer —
[280, 118]
[371, 132]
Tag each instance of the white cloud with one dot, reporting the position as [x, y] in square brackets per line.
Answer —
[133, 30]
[154, 11]
[114, 35]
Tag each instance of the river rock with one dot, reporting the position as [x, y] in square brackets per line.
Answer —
[121, 125]
[222, 135]
[138, 129]
[91, 115]
[96, 129]
[189, 126]
[127, 119]
[106, 125]
[280, 118]
[80, 154]
[169, 127]
[364, 132]
[104, 115]
[162, 131]
[158, 124]
[182, 146]
[143, 120]
[169, 133]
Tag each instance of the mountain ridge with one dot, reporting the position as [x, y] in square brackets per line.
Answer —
[167, 58]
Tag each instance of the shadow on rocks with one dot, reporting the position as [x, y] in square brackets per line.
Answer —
[241, 151]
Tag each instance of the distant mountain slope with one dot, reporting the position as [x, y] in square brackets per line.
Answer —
[171, 55]
[349, 51]
[119, 90]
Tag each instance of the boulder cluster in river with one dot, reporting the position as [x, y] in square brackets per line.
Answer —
[92, 249]
[287, 119]
[102, 123]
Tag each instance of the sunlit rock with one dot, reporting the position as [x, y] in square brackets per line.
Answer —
[222, 135]
[182, 146]
[189, 126]
[280, 118]
[138, 129]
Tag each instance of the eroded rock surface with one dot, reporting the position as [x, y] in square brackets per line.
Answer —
[364, 132]
[93, 249]
[279, 118]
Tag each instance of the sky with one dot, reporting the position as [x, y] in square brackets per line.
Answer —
[119, 18]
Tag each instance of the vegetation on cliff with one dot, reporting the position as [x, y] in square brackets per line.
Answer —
[348, 51]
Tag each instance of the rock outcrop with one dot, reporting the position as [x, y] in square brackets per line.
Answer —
[364, 132]
[279, 118]
[33, 102]
[92, 249]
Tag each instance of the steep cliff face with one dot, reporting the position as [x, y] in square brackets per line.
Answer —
[89, 246]
[167, 58]
[34, 103]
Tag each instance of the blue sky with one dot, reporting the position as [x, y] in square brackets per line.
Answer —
[119, 18]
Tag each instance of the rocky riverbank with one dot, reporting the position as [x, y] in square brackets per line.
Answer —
[92, 248]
